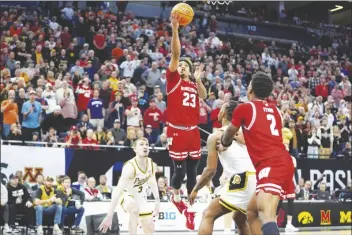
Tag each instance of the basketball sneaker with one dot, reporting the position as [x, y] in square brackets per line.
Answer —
[291, 228]
[181, 206]
[189, 219]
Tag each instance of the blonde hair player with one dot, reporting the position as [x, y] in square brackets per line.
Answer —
[130, 192]
[237, 165]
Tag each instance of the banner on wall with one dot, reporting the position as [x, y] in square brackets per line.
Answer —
[317, 214]
[32, 161]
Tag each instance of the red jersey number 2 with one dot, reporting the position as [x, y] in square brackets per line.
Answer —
[189, 100]
[273, 129]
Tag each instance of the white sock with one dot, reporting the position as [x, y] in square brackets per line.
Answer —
[289, 222]
[177, 197]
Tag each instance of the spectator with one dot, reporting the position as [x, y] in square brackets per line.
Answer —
[160, 103]
[84, 94]
[214, 116]
[153, 116]
[15, 134]
[73, 139]
[19, 201]
[95, 110]
[81, 183]
[134, 114]
[297, 141]
[10, 113]
[48, 204]
[150, 76]
[31, 112]
[68, 110]
[347, 151]
[40, 181]
[65, 193]
[4, 209]
[313, 144]
[322, 194]
[161, 82]
[325, 134]
[54, 119]
[49, 96]
[148, 134]
[118, 133]
[131, 136]
[322, 89]
[103, 187]
[89, 140]
[128, 67]
[304, 194]
[162, 141]
[85, 123]
[116, 110]
[91, 193]
[114, 80]
[108, 139]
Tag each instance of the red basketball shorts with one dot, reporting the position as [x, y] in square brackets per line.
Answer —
[275, 176]
[183, 142]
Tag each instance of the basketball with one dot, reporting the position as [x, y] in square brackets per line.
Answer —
[185, 12]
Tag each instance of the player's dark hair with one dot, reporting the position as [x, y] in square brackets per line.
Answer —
[230, 107]
[262, 85]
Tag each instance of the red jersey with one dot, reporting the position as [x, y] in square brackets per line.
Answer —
[83, 96]
[262, 125]
[153, 117]
[182, 100]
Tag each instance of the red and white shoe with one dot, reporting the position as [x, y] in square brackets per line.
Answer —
[189, 219]
[181, 206]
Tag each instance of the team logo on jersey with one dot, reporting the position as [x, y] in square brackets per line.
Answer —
[139, 182]
[236, 179]
[305, 218]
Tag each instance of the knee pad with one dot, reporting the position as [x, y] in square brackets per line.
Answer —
[290, 206]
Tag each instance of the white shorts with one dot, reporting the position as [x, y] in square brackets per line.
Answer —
[128, 200]
[237, 193]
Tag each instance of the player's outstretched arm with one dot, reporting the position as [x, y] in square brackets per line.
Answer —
[175, 43]
[240, 138]
[154, 188]
[227, 137]
[210, 170]
[127, 175]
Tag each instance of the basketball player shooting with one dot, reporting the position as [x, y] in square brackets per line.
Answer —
[237, 165]
[262, 125]
[131, 191]
[183, 94]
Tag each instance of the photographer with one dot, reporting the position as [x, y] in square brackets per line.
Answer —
[9, 109]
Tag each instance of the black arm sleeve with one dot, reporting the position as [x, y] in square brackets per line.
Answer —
[296, 175]
[80, 194]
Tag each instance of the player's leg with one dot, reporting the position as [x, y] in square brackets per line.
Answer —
[241, 221]
[267, 204]
[192, 166]
[147, 223]
[180, 168]
[210, 214]
[253, 217]
[131, 206]
[227, 222]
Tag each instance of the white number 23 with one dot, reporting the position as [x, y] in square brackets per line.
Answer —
[189, 100]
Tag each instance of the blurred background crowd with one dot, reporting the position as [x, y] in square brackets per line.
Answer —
[80, 77]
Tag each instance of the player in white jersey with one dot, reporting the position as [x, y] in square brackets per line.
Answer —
[130, 192]
[237, 165]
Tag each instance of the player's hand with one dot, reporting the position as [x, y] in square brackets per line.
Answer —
[199, 73]
[192, 197]
[219, 147]
[175, 19]
[106, 224]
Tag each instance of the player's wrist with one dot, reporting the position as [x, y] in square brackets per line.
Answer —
[224, 144]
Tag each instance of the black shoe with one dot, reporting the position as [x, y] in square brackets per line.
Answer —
[76, 230]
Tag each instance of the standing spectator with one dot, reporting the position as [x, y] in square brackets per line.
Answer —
[134, 114]
[160, 103]
[345, 130]
[153, 116]
[103, 187]
[68, 110]
[322, 89]
[10, 113]
[313, 144]
[20, 100]
[337, 144]
[150, 76]
[118, 133]
[161, 82]
[19, 201]
[4, 209]
[89, 140]
[31, 111]
[116, 110]
[54, 119]
[105, 94]
[326, 137]
[114, 81]
[73, 138]
[292, 73]
[313, 82]
[84, 94]
[297, 141]
[100, 45]
[95, 110]
[128, 67]
[47, 204]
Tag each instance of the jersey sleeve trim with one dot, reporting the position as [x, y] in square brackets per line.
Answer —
[175, 87]
[254, 116]
[278, 110]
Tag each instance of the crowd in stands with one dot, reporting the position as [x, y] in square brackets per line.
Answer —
[93, 78]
